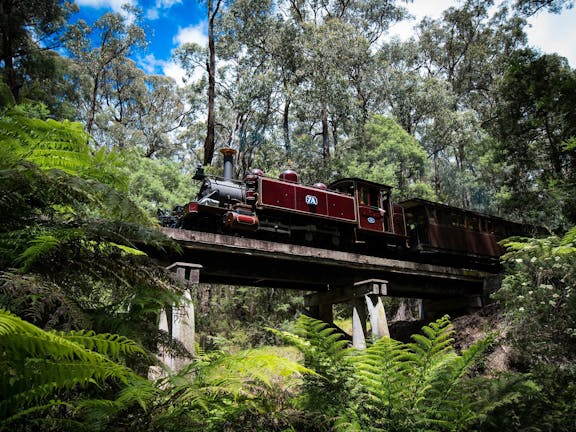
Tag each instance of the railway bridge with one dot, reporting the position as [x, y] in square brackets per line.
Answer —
[329, 277]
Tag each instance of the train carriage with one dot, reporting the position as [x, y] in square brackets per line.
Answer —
[350, 214]
[440, 232]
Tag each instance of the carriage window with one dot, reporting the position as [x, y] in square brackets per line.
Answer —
[432, 218]
[369, 197]
[473, 223]
[446, 218]
[457, 220]
[364, 196]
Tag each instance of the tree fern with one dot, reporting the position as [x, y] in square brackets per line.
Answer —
[71, 169]
[72, 257]
[222, 389]
[43, 365]
[390, 385]
[430, 354]
[59, 145]
[381, 372]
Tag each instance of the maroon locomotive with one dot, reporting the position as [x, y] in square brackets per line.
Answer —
[350, 214]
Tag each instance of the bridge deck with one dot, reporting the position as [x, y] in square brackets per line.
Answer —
[250, 262]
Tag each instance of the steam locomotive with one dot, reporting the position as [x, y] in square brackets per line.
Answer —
[350, 214]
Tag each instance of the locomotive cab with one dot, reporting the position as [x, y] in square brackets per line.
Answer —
[375, 212]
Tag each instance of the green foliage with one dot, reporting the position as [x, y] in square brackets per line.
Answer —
[538, 294]
[26, 31]
[243, 314]
[45, 370]
[534, 119]
[72, 246]
[58, 145]
[389, 155]
[6, 96]
[221, 391]
[390, 385]
[540, 401]
[48, 167]
[158, 183]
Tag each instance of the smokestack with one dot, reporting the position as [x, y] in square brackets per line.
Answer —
[228, 162]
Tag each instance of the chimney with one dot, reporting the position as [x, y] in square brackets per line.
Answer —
[228, 162]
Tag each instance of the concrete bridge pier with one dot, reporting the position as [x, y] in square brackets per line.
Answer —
[179, 322]
[366, 299]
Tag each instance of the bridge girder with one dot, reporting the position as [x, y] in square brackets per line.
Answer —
[243, 261]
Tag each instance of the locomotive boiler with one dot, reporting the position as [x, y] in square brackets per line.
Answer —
[349, 214]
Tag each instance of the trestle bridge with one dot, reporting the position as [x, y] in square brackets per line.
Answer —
[329, 277]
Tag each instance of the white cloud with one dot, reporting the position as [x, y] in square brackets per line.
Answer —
[154, 12]
[554, 34]
[115, 5]
[167, 4]
[175, 71]
[150, 64]
[170, 68]
[419, 9]
[550, 33]
[193, 34]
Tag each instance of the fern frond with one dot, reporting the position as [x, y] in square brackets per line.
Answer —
[29, 414]
[296, 341]
[62, 146]
[110, 345]
[569, 238]
[38, 247]
[232, 373]
[321, 335]
[230, 383]
[383, 377]
[434, 347]
[44, 363]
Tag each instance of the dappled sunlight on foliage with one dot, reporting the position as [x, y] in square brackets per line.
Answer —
[538, 293]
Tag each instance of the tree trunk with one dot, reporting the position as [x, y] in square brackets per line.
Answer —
[92, 113]
[209, 143]
[7, 51]
[437, 184]
[286, 128]
[325, 136]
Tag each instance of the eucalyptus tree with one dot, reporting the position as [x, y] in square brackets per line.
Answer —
[193, 58]
[99, 51]
[448, 71]
[534, 122]
[141, 112]
[532, 7]
[213, 8]
[337, 37]
[28, 31]
[248, 89]
[326, 101]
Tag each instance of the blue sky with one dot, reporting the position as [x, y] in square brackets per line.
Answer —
[170, 23]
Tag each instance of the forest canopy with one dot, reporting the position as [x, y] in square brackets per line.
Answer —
[464, 112]
[491, 120]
